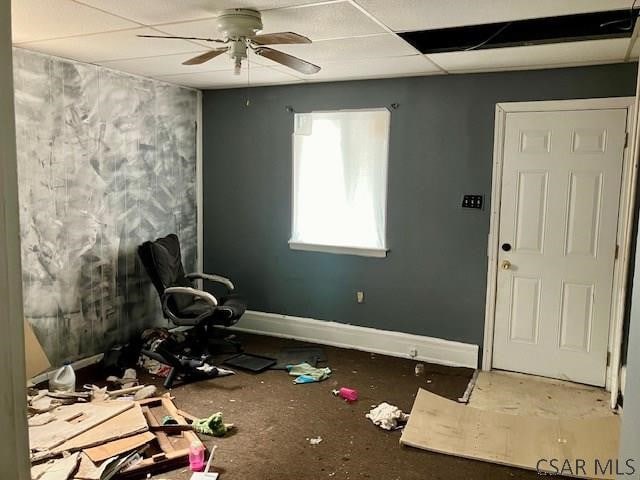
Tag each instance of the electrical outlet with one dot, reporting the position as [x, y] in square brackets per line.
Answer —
[360, 297]
[413, 352]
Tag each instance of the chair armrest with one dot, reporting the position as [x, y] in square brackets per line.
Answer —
[212, 278]
[206, 296]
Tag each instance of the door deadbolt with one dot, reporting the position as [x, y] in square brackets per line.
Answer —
[506, 247]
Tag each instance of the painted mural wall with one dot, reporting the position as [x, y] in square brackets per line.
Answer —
[106, 161]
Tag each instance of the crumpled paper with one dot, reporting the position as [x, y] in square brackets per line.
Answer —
[387, 416]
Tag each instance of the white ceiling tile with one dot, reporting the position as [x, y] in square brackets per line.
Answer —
[112, 46]
[33, 20]
[227, 79]
[402, 15]
[375, 68]
[321, 22]
[535, 56]
[317, 22]
[168, 64]
[151, 12]
[376, 46]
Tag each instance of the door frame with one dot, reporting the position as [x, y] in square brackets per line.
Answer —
[625, 223]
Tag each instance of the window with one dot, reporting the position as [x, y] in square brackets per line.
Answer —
[340, 181]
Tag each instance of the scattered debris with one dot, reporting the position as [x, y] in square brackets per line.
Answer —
[145, 392]
[305, 373]
[349, 394]
[99, 439]
[419, 369]
[315, 440]
[129, 379]
[154, 367]
[388, 417]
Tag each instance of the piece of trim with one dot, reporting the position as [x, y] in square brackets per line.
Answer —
[625, 220]
[469, 390]
[362, 252]
[384, 342]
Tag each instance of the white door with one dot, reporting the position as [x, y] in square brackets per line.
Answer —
[557, 242]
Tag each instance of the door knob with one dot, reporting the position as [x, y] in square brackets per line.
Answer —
[506, 265]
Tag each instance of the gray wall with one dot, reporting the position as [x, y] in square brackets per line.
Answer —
[433, 281]
[106, 161]
[629, 443]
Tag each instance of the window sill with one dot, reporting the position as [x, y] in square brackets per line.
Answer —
[362, 252]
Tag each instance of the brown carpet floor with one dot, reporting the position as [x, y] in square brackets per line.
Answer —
[276, 418]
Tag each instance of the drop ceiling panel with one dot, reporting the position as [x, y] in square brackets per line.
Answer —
[38, 20]
[536, 56]
[377, 46]
[168, 64]
[152, 12]
[318, 22]
[112, 46]
[402, 15]
[375, 68]
[321, 22]
[227, 79]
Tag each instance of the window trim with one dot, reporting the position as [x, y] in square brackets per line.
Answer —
[341, 249]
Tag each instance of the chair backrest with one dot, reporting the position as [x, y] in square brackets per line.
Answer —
[163, 262]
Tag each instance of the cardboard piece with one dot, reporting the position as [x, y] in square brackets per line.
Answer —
[36, 360]
[440, 425]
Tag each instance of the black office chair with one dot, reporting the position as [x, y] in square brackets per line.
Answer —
[185, 305]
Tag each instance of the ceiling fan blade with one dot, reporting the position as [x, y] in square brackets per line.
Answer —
[183, 38]
[205, 57]
[287, 60]
[279, 38]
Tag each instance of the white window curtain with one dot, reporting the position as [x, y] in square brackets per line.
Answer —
[340, 181]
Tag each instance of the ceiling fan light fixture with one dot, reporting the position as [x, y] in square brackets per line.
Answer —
[237, 23]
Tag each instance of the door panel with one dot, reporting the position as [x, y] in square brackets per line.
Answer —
[559, 210]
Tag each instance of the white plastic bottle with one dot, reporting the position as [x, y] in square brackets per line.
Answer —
[64, 380]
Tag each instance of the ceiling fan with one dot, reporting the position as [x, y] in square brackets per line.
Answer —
[240, 27]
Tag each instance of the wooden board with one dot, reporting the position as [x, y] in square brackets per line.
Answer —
[71, 421]
[116, 447]
[171, 449]
[440, 425]
[57, 470]
[36, 360]
[516, 393]
[129, 422]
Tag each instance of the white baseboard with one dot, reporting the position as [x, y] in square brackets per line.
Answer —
[395, 344]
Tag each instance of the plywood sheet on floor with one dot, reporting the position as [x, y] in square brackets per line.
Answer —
[516, 393]
[440, 425]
